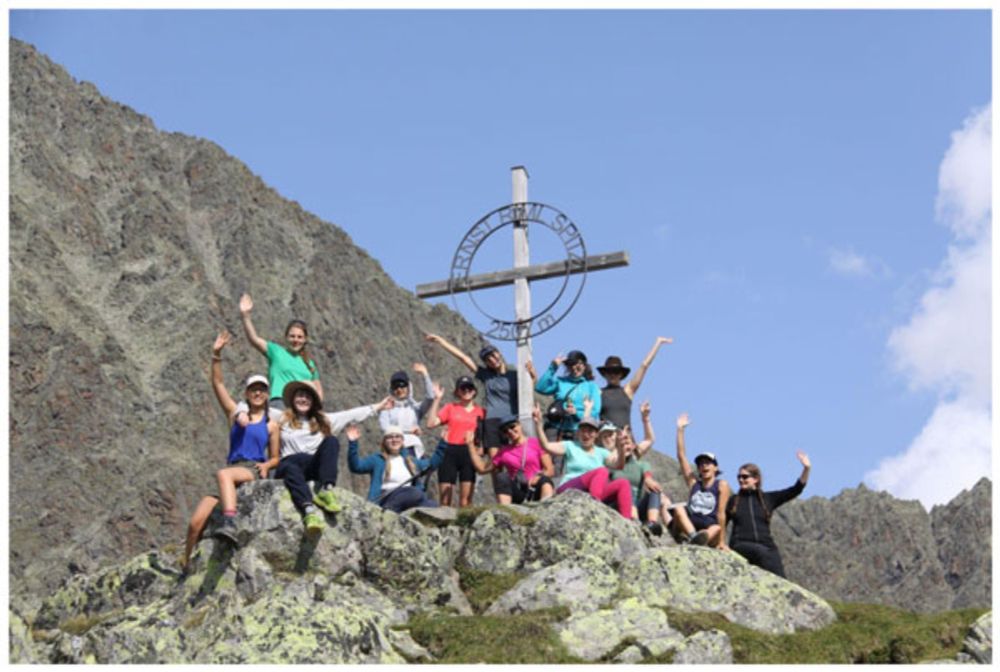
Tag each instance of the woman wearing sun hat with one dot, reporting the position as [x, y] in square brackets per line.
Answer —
[309, 449]
[616, 399]
[750, 511]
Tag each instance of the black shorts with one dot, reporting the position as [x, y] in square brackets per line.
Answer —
[504, 485]
[700, 520]
[456, 463]
[491, 433]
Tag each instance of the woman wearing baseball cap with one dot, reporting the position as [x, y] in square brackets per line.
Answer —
[461, 416]
[569, 392]
[406, 411]
[703, 520]
[253, 451]
[523, 470]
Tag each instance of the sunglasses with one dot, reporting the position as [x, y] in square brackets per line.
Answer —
[467, 388]
[398, 384]
[743, 477]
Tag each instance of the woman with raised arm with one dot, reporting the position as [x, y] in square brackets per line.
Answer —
[568, 393]
[285, 363]
[461, 416]
[650, 503]
[586, 465]
[309, 449]
[616, 399]
[524, 472]
[253, 451]
[750, 512]
[392, 473]
[499, 385]
[406, 411]
[704, 518]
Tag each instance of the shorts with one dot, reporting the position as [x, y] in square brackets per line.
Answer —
[456, 463]
[491, 433]
[650, 501]
[700, 520]
[504, 485]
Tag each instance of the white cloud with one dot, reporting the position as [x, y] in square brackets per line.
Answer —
[850, 263]
[945, 346]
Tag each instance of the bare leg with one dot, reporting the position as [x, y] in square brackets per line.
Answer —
[682, 524]
[714, 535]
[197, 524]
[547, 491]
[445, 491]
[503, 499]
[465, 492]
[228, 479]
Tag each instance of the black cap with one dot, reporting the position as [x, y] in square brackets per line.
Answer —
[399, 377]
[464, 381]
[575, 356]
[486, 350]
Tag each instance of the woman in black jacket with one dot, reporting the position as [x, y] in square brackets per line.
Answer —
[750, 512]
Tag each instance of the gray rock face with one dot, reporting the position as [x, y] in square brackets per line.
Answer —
[978, 644]
[866, 546]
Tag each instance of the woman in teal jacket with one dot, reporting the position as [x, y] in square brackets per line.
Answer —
[570, 390]
[391, 471]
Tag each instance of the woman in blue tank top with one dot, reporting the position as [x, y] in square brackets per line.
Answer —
[703, 520]
[253, 451]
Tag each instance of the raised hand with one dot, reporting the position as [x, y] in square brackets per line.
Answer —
[804, 459]
[588, 405]
[353, 432]
[644, 409]
[221, 341]
[438, 391]
[559, 359]
[418, 367]
[246, 303]
[536, 414]
[660, 340]
[433, 338]
[683, 421]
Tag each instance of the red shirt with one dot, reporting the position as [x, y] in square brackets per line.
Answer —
[460, 421]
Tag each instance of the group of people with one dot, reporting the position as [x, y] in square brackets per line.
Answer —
[584, 442]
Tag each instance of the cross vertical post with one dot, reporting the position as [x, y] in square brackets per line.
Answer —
[522, 302]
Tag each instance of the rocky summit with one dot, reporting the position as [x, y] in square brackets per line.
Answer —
[129, 248]
[348, 595]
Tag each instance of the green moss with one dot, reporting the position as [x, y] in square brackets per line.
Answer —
[467, 516]
[81, 623]
[483, 588]
[863, 633]
[522, 638]
[517, 517]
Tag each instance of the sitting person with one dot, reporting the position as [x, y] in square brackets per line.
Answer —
[461, 416]
[253, 452]
[703, 520]
[392, 474]
[586, 465]
[406, 411]
[648, 506]
[750, 512]
[519, 454]
[309, 449]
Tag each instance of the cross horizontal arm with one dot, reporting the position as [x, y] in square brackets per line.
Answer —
[595, 262]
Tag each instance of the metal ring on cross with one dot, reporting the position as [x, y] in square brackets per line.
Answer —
[575, 263]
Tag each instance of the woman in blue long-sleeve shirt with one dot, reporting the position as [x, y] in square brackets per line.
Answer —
[571, 390]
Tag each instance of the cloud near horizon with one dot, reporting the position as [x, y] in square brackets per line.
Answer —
[945, 346]
[850, 263]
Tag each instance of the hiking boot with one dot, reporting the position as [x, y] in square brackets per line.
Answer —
[326, 500]
[699, 538]
[655, 528]
[314, 523]
[226, 531]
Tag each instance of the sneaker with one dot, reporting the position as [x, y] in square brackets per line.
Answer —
[314, 523]
[655, 528]
[699, 538]
[326, 500]
[226, 531]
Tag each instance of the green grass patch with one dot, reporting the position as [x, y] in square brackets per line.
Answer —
[467, 516]
[483, 588]
[81, 623]
[520, 638]
[863, 633]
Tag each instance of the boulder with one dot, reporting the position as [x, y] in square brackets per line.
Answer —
[978, 644]
[583, 584]
[708, 647]
[689, 578]
[645, 627]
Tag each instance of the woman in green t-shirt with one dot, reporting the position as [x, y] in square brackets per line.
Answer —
[286, 363]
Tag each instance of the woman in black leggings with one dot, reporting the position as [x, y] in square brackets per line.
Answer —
[750, 512]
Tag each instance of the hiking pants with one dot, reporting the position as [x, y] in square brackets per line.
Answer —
[760, 555]
[406, 497]
[600, 488]
[320, 467]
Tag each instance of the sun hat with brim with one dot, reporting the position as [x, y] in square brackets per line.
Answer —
[254, 379]
[296, 385]
[613, 364]
[590, 422]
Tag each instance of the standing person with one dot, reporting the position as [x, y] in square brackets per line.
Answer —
[253, 451]
[616, 399]
[586, 465]
[392, 473]
[461, 416]
[309, 449]
[704, 518]
[406, 412]
[750, 512]
[568, 392]
[285, 363]
[500, 397]
[523, 470]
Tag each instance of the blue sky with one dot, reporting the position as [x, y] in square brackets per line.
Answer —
[778, 178]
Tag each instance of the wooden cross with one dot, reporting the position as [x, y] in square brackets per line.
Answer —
[520, 276]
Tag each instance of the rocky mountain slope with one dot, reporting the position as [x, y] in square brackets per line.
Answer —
[129, 248]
